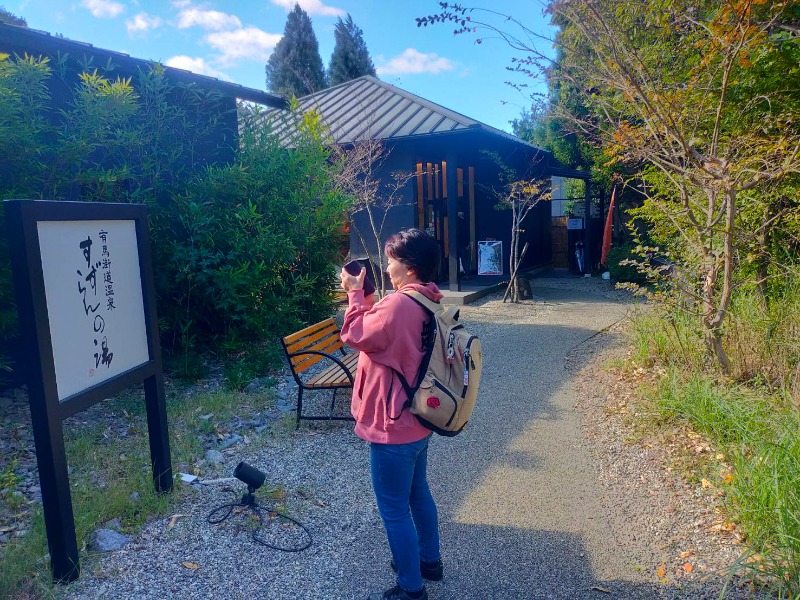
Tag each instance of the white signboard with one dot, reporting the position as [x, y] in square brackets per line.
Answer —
[574, 223]
[490, 258]
[93, 290]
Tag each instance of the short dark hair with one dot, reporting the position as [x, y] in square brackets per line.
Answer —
[417, 250]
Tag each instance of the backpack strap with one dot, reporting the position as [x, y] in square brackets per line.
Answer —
[449, 313]
[420, 298]
[430, 307]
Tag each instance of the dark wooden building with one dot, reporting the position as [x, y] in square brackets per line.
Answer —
[452, 193]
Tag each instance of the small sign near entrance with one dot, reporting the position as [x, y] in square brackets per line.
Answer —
[574, 224]
[490, 258]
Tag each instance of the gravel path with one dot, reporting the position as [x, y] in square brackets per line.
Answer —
[527, 506]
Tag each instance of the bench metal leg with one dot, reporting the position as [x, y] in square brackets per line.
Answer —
[330, 416]
[299, 407]
[333, 402]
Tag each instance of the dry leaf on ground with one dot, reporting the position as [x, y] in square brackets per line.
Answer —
[173, 520]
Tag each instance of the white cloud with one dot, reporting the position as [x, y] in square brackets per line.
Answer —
[142, 23]
[195, 65]
[413, 61]
[103, 8]
[249, 43]
[181, 3]
[312, 7]
[207, 19]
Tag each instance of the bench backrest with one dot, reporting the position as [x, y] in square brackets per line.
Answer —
[321, 337]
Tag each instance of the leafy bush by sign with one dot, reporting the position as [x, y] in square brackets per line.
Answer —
[242, 245]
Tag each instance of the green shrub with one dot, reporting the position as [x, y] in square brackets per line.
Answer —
[252, 245]
[625, 272]
[241, 250]
[242, 367]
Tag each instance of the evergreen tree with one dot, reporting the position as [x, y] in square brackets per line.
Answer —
[295, 67]
[350, 58]
[10, 18]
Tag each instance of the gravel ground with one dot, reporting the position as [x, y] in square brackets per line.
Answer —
[541, 496]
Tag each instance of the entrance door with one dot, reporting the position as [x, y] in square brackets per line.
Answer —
[560, 243]
[432, 212]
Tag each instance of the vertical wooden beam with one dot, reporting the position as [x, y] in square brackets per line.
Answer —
[420, 198]
[430, 181]
[445, 231]
[473, 242]
[452, 224]
[445, 228]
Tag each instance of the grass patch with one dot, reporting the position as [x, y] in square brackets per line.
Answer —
[751, 416]
[759, 435]
[111, 476]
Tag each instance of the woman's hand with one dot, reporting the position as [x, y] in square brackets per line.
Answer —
[353, 282]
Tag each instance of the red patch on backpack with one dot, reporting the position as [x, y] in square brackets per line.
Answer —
[433, 402]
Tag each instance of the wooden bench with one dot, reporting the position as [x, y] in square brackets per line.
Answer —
[307, 348]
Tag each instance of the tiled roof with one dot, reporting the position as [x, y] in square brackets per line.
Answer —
[367, 108]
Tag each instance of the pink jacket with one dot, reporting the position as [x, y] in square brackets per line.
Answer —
[389, 336]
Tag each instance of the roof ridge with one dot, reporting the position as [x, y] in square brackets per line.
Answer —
[346, 105]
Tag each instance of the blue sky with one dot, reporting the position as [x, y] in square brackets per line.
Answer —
[233, 39]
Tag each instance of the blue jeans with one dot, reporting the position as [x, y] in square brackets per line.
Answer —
[405, 503]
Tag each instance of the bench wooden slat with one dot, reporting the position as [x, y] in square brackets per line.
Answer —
[334, 376]
[308, 330]
[328, 347]
[351, 361]
[304, 361]
[303, 343]
[328, 343]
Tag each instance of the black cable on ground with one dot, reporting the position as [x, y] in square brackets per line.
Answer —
[248, 500]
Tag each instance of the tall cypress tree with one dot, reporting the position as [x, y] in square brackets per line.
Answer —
[295, 67]
[350, 58]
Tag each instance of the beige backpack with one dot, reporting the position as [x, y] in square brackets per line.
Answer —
[446, 388]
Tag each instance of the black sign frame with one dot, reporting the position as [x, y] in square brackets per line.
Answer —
[47, 411]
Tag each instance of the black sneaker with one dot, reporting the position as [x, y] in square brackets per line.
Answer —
[432, 571]
[398, 593]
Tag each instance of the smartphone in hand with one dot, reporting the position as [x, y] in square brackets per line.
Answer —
[354, 268]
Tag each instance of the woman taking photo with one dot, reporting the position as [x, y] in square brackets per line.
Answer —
[390, 336]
